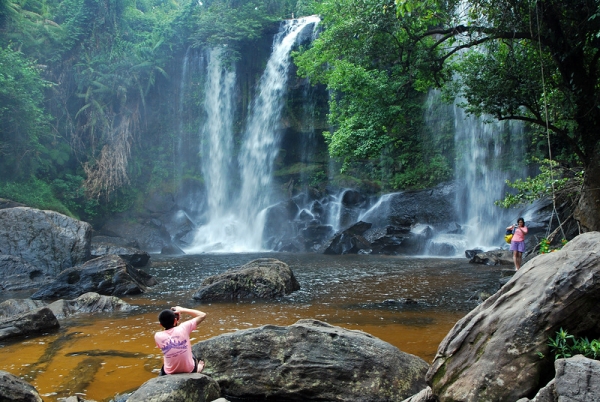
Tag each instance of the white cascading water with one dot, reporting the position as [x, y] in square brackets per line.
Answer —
[480, 146]
[216, 151]
[236, 222]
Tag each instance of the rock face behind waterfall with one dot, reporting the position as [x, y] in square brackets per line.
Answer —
[47, 240]
[310, 360]
[492, 353]
[264, 278]
[108, 275]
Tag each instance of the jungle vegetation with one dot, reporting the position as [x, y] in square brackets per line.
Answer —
[83, 127]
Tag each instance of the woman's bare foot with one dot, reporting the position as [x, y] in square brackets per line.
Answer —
[200, 366]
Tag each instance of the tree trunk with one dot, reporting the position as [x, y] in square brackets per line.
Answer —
[588, 209]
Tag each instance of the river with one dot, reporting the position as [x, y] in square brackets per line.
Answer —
[409, 302]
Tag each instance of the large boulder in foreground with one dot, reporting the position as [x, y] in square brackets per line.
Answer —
[108, 275]
[46, 239]
[35, 321]
[492, 353]
[310, 360]
[12, 388]
[177, 388]
[264, 278]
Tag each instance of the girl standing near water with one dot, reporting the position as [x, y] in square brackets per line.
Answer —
[517, 244]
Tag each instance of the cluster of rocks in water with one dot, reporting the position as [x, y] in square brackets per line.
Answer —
[351, 222]
[493, 353]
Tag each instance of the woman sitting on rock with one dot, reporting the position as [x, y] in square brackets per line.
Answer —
[175, 343]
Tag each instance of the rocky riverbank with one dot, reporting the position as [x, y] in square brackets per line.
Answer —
[493, 353]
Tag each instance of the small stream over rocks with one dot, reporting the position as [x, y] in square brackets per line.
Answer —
[408, 302]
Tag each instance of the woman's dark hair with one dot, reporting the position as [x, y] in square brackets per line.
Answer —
[167, 319]
[521, 219]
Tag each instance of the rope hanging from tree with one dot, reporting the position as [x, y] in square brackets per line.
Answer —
[554, 211]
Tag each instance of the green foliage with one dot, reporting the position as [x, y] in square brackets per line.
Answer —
[376, 112]
[23, 123]
[564, 345]
[546, 248]
[34, 193]
[552, 178]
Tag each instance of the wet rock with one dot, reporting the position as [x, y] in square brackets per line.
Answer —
[134, 256]
[177, 388]
[47, 240]
[178, 224]
[279, 228]
[495, 257]
[35, 321]
[472, 253]
[18, 274]
[315, 235]
[12, 388]
[12, 307]
[433, 206]
[264, 278]
[343, 243]
[349, 241]
[150, 234]
[497, 343]
[310, 360]
[172, 249]
[87, 303]
[387, 240]
[108, 275]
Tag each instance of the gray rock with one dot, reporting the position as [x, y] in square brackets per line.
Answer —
[172, 250]
[35, 321]
[88, 303]
[137, 258]
[151, 235]
[546, 394]
[432, 206]
[495, 257]
[18, 274]
[310, 360]
[14, 389]
[177, 388]
[47, 240]
[116, 240]
[12, 307]
[491, 353]
[108, 275]
[264, 278]
[425, 395]
[577, 379]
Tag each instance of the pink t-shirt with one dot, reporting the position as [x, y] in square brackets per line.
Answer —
[177, 348]
[519, 234]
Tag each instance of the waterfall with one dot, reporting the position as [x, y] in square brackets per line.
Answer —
[217, 133]
[481, 147]
[236, 210]
[487, 153]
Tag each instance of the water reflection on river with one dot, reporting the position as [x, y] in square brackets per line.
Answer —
[409, 302]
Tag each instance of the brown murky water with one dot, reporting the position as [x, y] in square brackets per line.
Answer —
[102, 355]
